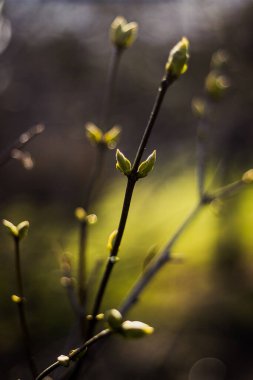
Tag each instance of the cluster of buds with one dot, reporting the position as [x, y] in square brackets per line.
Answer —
[82, 216]
[217, 84]
[128, 329]
[97, 137]
[124, 165]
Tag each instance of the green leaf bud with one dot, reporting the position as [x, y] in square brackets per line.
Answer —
[177, 63]
[114, 319]
[135, 329]
[80, 214]
[92, 219]
[147, 165]
[63, 360]
[198, 107]
[93, 133]
[122, 163]
[122, 33]
[13, 230]
[111, 137]
[19, 231]
[111, 240]
[23, 228]
[247, 177]
[16, 299]
[216, 85]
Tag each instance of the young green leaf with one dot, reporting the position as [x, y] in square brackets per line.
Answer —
[93, 133]
[135, 329]
[147, 165]
[122, 163]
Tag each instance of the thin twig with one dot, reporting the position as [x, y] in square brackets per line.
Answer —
[23, 139]
[153, 268]
[75, 354]
[132, 179]
[21, 311]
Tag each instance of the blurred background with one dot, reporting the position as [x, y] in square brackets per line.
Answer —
[53, 68]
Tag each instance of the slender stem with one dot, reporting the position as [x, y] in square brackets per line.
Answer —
[21, 311]
[75, 354]
[132, 179]
[23, 139]
[163, 258]
[110, 88]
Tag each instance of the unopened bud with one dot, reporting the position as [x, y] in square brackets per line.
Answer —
[80, 214]
[219, 59]
[92, 218]
[122, 163]
[247, 177]
[135, 329]
[122, 33]
[114, 319]
[177, 63]
[16, 299]
[198, 107]
[216, 85]
[63, 360]
[147, 165]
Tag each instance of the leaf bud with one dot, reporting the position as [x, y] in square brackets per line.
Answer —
[93, 133]
[123, 33]
[219, 59]
[111, 137]
[16, 299]
[216, 85]
[135, 329]
[63, 360]
[114, 319]
[111, 240]
[122, 163]
[92, 219]
[147, 165]
[80, 214]
[247, 177]
[177, 63]
[198, 107]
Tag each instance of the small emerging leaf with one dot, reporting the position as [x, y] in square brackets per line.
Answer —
[111, 240]
[112, 137]
[122, 163]
[93, 133]
[147, 165]
[19, 231]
